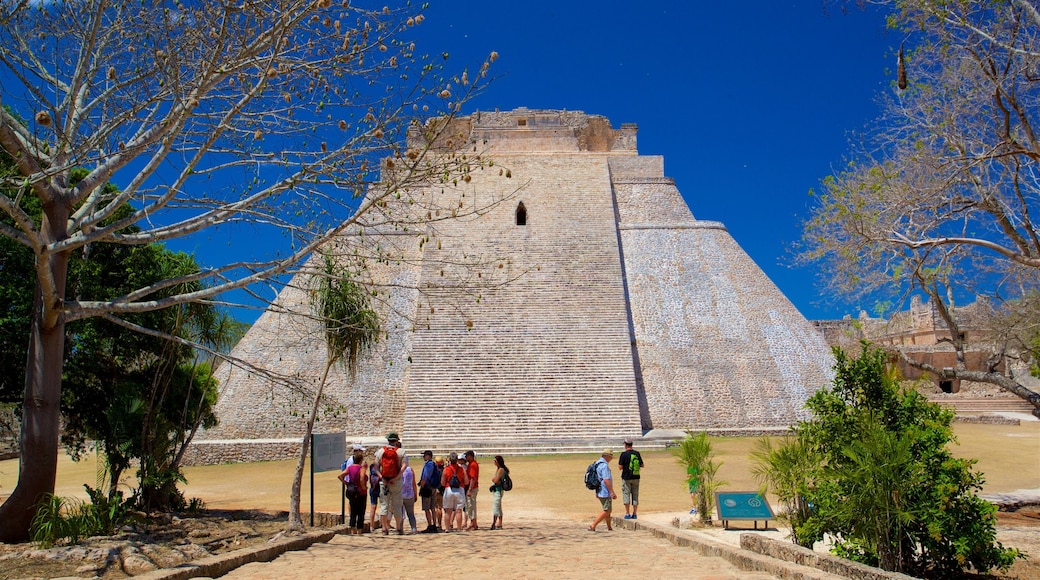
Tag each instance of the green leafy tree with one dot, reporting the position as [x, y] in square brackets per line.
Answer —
[115, 376]
[940, 196]
[888, 489]
[269, 118]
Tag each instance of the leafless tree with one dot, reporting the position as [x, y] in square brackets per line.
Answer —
[941, 196]
[232, 119]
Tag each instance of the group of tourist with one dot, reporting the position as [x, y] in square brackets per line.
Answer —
[448, 490]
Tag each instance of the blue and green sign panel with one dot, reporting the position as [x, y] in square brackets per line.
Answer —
[742, 505]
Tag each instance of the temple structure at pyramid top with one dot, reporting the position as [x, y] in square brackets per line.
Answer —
[574, 302]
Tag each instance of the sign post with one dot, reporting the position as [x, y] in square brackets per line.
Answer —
[742, 505]
[328, 451]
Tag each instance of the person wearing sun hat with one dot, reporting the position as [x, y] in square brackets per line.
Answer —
[391, 501]
[605, 494]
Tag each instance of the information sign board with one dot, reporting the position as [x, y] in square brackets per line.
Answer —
[742, 505]
[330, 449]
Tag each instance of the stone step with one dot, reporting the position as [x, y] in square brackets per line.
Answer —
[985, 404]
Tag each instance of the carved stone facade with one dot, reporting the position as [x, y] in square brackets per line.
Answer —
[923, 335]
[585, 305]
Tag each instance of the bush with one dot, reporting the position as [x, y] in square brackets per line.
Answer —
[885, 485]
[57, 519]
[788, 471]
[67, 520]
[696, 454]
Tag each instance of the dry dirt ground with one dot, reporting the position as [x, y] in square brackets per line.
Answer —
[548, 489]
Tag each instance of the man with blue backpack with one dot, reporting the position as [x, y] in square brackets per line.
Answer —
[600, 470]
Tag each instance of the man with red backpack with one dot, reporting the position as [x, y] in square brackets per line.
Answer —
[388, 463]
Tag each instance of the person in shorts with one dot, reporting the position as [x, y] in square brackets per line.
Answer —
[473, 473]
[428, 485]
[454, 497]
[391, 501]
[630, 462]
[605, 494]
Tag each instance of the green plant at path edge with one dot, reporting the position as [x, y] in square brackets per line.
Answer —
[696, 455]
[788, 470]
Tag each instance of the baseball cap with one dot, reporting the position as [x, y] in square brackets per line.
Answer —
[358, 447]
[427, 452]
[628, 440]
[392, 436]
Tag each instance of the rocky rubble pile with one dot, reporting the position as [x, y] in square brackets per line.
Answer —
[158, 542]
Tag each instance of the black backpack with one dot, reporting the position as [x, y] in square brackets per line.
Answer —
[592, 476]
[506, 483]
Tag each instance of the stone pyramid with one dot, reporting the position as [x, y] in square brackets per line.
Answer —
[584, 305]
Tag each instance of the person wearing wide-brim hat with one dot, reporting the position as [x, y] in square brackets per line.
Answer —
[605, 493]
[391, 501]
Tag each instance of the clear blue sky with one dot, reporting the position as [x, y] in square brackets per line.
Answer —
[750, 103]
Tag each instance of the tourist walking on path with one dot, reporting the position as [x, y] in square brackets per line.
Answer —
[408, 493]
[355, 482]
[429, 481]
[473, 473]
[388, 463]
[630, 462]
[605, 493]
[454, 481]
[496, 492]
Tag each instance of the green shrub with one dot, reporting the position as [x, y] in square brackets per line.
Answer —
[105, 513]
[697, 456]
[886, 486]
[195, 505]
[57, 519]
[67, 520]
[788, 470]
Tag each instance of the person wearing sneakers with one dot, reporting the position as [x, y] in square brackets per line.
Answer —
[409, 493]
[429, 483]
[630, 463]
[389, 465]
[605, 494]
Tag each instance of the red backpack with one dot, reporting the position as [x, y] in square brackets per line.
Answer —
[389, 464]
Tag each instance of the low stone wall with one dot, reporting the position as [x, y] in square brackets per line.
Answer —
[219, 565]
[240, 451]
[987, 419]
[803, 556]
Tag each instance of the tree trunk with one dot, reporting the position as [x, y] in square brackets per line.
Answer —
[41, 411]
[295, 520]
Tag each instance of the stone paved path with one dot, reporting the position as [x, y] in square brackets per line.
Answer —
[530, 548]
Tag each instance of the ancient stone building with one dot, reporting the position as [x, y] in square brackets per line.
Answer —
[585, 304]
[921, 333]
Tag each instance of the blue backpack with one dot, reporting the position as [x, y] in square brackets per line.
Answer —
[592, 476]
